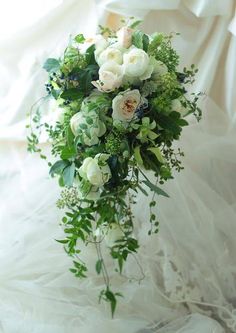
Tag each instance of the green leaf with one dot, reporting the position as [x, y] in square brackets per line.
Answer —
[135, 24]
[120, 263]
[80, 38]
[62, 241]
[112, 299]
[137, 156]
[68, 152]
[58, 167]
[155, 188]
[85, 76]
[156, 151]
[145, 42]
[99, 266]
[68, 175]
[71, 94]
[89, 55]
[137, 39]
[51, 65]
[142, 190]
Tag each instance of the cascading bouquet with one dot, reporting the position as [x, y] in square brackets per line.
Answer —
[119, 104]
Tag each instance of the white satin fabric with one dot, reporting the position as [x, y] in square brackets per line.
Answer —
[189, 267]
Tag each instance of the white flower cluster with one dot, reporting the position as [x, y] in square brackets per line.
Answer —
[121, 62]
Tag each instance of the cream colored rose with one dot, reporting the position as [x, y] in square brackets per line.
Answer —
[96, 170]
[113, 234]
[124, 36]
[87, 127]
[125, 104]
[110, 77]
[136, 62]
[177, 106]
[110, 54]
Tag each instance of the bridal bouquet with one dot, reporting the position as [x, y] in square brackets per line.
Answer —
[119, 104]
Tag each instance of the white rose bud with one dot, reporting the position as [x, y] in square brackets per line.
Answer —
[125, 104]
[113, 234]
[110, 77]
[95, 170]
[177, 106]
[136, 62]
[96, 128]
[110, 54]
[124, 36]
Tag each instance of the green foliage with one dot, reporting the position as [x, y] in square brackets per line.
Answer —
[160, 47]
[140, 40]
[51, 65]
[79, 38]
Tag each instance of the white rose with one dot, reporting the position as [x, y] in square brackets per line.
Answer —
[136, 62]
[110, 77]
[124, 36]
[125, 104]
[97, 174]
[98, 40]
[110, 54]
[96, 128]
[177, 106]
[113, 234]
[159, 69]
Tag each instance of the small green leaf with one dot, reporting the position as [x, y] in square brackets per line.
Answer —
[51, 65]
[137, 156]
[80, 38]
[145, 42]
[99, 266]
[112, 299]
[71, 94]
[142, 190]
[137, 39]
[155, 188]
[58, 167]
[156, 151]
[135, 24]
[68, 175]
[68, 152]
[62, 241]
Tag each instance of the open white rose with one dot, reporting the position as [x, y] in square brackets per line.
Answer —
[136, 62]
[88, 127]
[124, 36]
[177, 106]
[113, 234]
[110, 54]
[95, 172]
[125, 104]
[110, 77]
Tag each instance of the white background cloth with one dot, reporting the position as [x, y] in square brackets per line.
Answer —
[191, 261]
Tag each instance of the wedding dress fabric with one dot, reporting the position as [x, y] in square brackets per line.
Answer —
[189, 280]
